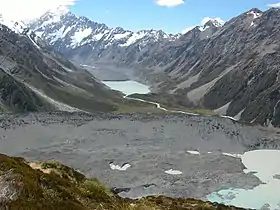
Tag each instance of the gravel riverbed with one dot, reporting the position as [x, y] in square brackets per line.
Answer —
[175, 155]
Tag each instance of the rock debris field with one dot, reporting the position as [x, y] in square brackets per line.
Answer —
[140, 154]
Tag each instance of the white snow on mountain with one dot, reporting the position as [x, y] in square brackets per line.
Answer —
[76, 31]
[57, 35]
[39, 33]
[121, 36]
[17, 27]
[97, 37]
[132, 39]
[218, 22]
[80, 35]
[66, 31]
[255, 14]
[203, 28]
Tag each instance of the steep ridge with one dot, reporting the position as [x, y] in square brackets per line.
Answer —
[35, 79]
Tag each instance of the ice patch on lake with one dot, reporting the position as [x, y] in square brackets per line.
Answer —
[173, 172]
[194, 152]
[265, 164]
[120, 168]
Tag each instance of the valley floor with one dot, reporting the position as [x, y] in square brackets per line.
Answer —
[140, 154]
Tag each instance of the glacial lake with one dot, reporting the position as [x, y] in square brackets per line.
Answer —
[128, 87]
[266, 166]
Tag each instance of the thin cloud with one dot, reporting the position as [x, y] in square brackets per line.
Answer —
[29, 9]
[169, 3]
[276, 5]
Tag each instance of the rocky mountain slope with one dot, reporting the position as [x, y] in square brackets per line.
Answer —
[235, 72]
[232, 69]
[33, 78]
[51, 185]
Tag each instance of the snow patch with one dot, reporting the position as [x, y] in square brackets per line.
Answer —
[80, 35]
[120, 168]
[39, 33]
[121, 36]
[193, 152]
[173, 172]
[255, 14]
[99, 36]
[203, 28]
[217, 22]
[15, 26]
[67, 30]
[57, 35]
[134, 38]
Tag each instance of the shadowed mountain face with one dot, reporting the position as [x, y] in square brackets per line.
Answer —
[232, 69]
[32, 78]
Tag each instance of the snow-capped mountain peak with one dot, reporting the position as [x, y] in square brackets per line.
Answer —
[212, 23]
[63, 28]
[256, 13]
[217, 22]
[16, 26]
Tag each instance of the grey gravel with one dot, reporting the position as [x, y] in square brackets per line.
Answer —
[151, 144]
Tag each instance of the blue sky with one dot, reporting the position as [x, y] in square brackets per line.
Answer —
[147, 14]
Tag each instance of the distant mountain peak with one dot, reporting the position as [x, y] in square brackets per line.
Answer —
[256, 13]
[217, 22]
[255, 10]
[211, 23]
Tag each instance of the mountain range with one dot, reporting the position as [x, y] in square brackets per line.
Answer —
[231, 68]
[85, 41]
